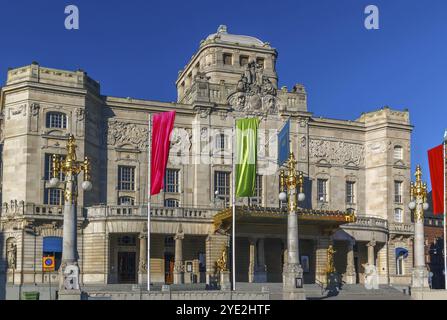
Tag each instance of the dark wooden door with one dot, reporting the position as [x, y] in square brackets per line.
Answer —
[127, 267]
[169, 268]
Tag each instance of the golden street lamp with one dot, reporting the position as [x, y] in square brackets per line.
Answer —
[71, 168]
[418, 203]
[292, 185]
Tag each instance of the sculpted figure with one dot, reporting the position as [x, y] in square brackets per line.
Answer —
[12, 255]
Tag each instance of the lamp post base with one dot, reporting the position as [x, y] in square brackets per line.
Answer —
[70, 295]
[225, 283]
[419, 278]
[293, 282]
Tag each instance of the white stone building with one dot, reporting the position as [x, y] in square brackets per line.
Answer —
[357, 166]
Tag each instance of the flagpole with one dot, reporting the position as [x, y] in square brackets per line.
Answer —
[149, 205]
[233, 242]
[444, 224]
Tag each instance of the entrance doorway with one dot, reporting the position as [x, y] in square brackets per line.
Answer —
[127, 267]
[169, 268]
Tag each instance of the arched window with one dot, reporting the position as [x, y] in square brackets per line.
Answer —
[56, 120]
[398, 153]
[52, 247]
[401, 255]
[126, 201]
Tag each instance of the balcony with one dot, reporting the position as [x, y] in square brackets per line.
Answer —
[370, 223]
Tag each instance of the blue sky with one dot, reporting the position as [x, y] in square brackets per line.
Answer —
[136, 47]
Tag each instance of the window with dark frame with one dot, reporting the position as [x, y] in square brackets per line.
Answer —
[56, 120]
[243, 60]
[257, 198]
[350, 192]
[227, 58]
[322, 190]
[222, 185]
[171, 203]
[398, 191]
[126, 178]
[126, 201]
[53, 196]
[172, 181]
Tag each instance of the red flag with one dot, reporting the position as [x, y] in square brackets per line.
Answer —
[436, 162]
[162, 126]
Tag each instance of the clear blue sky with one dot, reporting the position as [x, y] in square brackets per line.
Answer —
[136, 47]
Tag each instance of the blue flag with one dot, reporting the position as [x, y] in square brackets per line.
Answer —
[284, 144]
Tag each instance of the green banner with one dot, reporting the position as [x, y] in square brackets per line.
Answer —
[246, 156]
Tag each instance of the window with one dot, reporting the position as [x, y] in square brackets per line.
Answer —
[243, 60]
[400, 265]
[260, 61]
[169, 242]
[53, 197]
[322, 190]
[126, 178]
[56, 120]
[126, 201]
[398, 191]
[171, 203]
[257, 199]
[220, 141]
[52, 247]
[350, 192]
[398, 153]
[222, 185]
[398, 217]
[49, 167]
[172, 181]
[228, 58]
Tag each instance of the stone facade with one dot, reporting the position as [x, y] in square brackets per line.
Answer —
[229, 77]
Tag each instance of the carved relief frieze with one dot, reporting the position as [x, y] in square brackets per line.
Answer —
[119, 133]
[181, 141]
[336, 152]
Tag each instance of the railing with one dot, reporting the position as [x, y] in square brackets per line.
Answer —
[401, 227]
[20, 208]
[370, 222]
[141, 211]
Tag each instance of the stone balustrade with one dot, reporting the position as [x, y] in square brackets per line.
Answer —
[156, 212]
[370, 222]
[20, 208]
[401, 228]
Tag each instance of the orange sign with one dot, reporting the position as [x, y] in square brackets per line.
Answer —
[48, 264]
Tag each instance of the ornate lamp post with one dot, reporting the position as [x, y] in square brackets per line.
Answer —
[292, 190]
[418, 203]
[70, 167]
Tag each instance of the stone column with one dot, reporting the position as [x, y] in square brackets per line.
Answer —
[260, 267]
[69, 285]
[142, 267]
[252, 263]
[371, 258]
[420, 272]
[350, 268]
[178, 260]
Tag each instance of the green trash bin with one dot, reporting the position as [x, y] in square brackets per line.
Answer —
[30, 295]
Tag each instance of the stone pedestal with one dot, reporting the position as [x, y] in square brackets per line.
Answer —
[419, 278]
[142, 266]
[292, 280]
[179, 272]
[70, 295]
[350, 276]
[225, 281]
